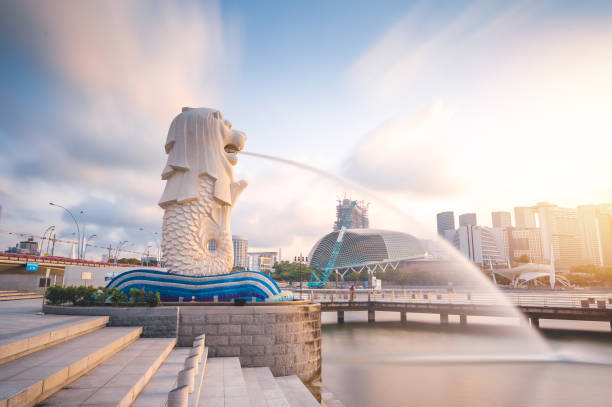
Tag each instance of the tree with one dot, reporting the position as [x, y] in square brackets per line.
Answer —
[126, 260]
[290, 271]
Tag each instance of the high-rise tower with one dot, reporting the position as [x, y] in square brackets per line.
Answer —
[446, 221]
[357, 210]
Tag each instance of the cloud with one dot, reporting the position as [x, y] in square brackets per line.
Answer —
[528, 88]
[463, 43]
[407, 154]
[88, 93]
[282, 207]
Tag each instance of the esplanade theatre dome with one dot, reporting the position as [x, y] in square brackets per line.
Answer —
[362, 246]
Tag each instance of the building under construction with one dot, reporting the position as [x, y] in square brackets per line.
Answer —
[357, 210]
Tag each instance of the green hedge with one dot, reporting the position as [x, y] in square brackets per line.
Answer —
[90, 296]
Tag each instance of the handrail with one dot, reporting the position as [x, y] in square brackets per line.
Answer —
[553, 300]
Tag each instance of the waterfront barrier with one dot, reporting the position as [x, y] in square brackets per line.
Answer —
[536, 306]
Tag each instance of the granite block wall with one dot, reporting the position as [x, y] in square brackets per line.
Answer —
[285, 338]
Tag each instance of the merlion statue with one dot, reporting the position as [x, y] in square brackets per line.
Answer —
[200, 192]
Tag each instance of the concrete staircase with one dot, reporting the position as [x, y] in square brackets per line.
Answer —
[9, 295]
[52, 360]
[30, 379]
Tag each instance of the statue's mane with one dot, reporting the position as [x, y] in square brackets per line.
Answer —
[195, 147]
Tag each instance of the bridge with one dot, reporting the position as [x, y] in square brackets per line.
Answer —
[561, 306]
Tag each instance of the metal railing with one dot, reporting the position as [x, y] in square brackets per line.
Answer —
[551, 300]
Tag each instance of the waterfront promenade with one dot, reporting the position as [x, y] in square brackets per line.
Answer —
[581, 306]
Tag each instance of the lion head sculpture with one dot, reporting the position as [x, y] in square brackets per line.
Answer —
[199, 143]
[200, 192]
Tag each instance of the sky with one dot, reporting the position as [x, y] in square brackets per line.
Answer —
[470, 106]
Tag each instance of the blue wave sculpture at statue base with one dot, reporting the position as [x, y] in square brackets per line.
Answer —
[249, 285]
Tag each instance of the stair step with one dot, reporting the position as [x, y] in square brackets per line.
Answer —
[21, 297]
[120, 379]
[32, 378]
[156, 392]
[263, 390]
[296, 393]
[15, 293]
[49, 330]
[223, 384]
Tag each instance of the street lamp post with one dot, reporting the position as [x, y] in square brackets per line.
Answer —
[119, 246]
[75, 222]
[301, 259]
[82, 242]
[49, 230]
[87, 244]
[155, 236]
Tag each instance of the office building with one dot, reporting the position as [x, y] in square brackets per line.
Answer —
[262, 261]
[29, 246]
[358, 212]
[502, 240]
[446, 221]
[525, 217]
[501, 219]
[595, 226]
[241, 247]
[479, 245]
[561, 234]
[526, 241]
[604, 222]
[588, 225]
[467, 219]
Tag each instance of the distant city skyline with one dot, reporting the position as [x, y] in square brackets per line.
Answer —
[543, 232]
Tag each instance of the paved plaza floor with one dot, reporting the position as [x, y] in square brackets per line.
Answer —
[23, 319]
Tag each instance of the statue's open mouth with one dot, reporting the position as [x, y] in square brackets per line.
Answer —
[232, 153]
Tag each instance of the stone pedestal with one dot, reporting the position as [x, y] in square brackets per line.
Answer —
[285, 338]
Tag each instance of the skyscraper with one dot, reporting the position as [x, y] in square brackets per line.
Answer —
[560, 232]
[604, 224]
[479, 244]
[588, 225]
[526, 241]
[357, 210]
[525, 217]
[501, 219]
[446, 221]
[241, 246]
[595, 226]
[467, 219]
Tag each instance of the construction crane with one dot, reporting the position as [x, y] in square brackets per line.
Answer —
[319, 281]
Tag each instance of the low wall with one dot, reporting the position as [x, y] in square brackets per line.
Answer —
[158, 322]
[100, 276]
[285, 338]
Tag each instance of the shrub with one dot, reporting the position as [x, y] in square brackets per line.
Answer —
[152, 299]
[137, 297]
[117, 297]
[71, 294]
[85, 296]
[88, 296]
[56, 295]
